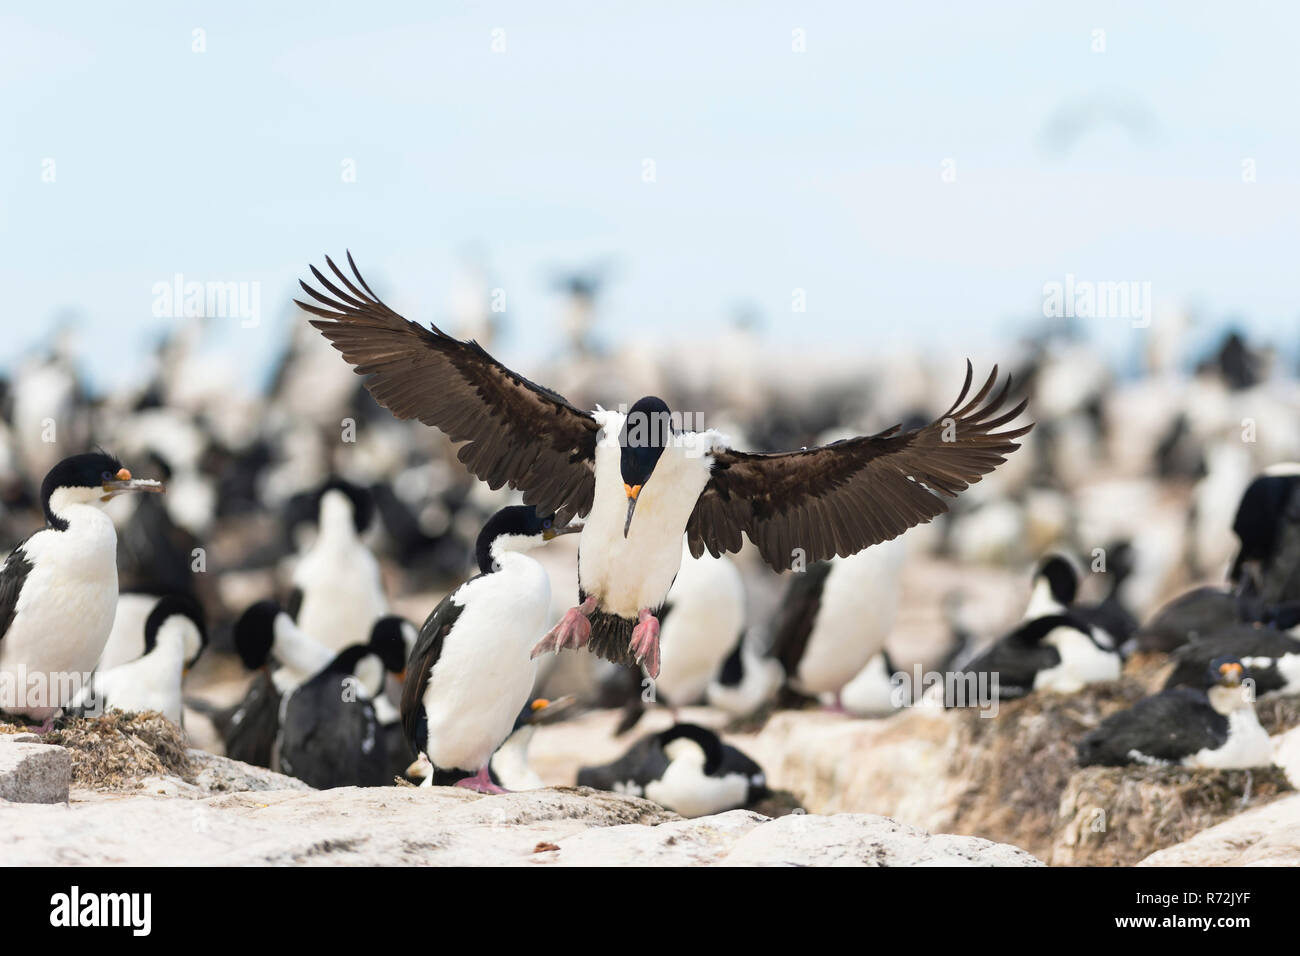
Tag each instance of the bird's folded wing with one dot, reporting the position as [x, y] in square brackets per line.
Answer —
[419, 666]
[12, 576]
[515, 431]
[837, 499]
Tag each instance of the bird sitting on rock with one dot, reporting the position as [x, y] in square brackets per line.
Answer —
[58, 589]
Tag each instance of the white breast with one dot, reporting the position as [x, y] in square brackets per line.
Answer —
[686, 789]
[871, 693]
[64, 611]
[151, 682]
[1248, 745]
[1082, 663]
[856, 613]
[126, 639]
[342, 589]
[484, 676]
[628, 574]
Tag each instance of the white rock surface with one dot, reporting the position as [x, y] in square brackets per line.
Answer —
[1266, 836]
[32, 772]
[447, 826]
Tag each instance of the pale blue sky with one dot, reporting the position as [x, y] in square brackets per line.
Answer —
[775, 170]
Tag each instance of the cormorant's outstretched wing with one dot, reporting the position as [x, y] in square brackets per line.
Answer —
[515, 432]
[837, 499]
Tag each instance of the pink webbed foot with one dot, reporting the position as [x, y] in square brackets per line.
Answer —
[481, 782]
[574, 630]
[645, 642]
[45, 726]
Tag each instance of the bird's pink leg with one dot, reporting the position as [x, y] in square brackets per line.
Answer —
[481, 782]
[645, 642]
[574, 630]
[46, 725]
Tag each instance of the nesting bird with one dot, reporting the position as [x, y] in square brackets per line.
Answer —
[1270, 655]
[1212, 725]
[175, 634]
[58, 589]
[686, 768]
[1052, 649]
[330, 734]
[470, 671]
[643, 480]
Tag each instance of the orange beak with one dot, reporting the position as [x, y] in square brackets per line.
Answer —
[631, 491]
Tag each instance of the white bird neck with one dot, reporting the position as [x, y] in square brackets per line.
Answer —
[1041, 601]
[69, 507]
[168, 654]
[507, 550]
[1229, 700]
[337, 525]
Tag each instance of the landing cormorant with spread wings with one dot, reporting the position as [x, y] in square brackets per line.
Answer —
[613, 466]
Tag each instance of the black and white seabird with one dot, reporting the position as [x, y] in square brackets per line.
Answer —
[746, 681]
[702, 618]
[836, 616]
[470, 672]
[283, 658]
[58, 589]
[1055, 652]
[1056, 588]
[807, 505]
[338, 591]
[1213, 725]
[1271, 656]
[330, 734]
[175, 634]
[686, 768]
[264, 637]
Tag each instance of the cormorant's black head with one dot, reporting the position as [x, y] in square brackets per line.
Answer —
[1061, 579]
[184, 614]
[646, 433]
[516, 528]
[255, 633]
[86, 479]
[1226, 671]
[388, 640]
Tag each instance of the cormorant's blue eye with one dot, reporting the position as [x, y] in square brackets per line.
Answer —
[546, 523]
[106, 476]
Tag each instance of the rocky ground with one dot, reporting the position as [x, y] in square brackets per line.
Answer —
[226, 813]
[924, 787]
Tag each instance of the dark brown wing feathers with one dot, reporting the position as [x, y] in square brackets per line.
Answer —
[514, 431]
[837, 499]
